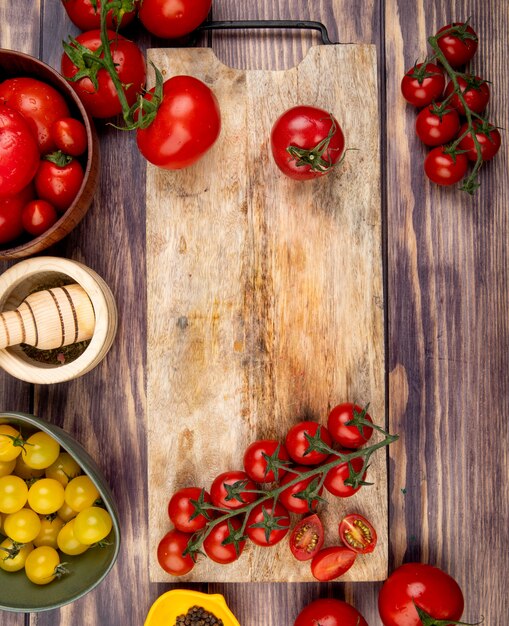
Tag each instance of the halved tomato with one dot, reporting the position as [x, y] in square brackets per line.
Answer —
[307, 538]
[331, 563]
[357, 533]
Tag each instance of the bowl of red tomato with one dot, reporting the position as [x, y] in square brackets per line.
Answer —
[49, 156]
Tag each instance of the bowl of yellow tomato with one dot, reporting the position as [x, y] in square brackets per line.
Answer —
[59, 527]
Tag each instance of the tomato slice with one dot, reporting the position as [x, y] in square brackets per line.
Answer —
[307, 538]
[331, 563]
[357, 533]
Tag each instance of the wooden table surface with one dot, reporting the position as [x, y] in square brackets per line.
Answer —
[447, 330]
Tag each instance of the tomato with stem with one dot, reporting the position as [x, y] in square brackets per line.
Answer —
[43, 565]
[337, 477]
[422, 84]
[182, 509]
[265, 460]
[445, 168]
[86, 16]
[437, 124]
[11, 442]
[307, 538]
[308, 443]
[13, 555]
[331, 563]
[458, 42]
[232, 490]
[58, 180]
[345, 428]
[221, 544]
[475, 92]
[170, 553]
[267, 524]
[302, 496]
[488, 138]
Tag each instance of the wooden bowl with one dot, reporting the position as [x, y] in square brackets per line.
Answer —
[39, 273]
[13, 64]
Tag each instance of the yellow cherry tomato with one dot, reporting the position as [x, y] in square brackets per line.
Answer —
[81, 493]
[92, 525]
[14, 555]
[42, 565]
[22, 470]
[46, 496]
[6, 467]
[68, 543]
[22, 526]
[66, 513]
[50, 527]
[10, 442]
[2, 517]
[40, 450]
[13, 494]
[63, 469]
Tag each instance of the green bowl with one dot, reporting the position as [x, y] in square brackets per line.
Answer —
[87, 570]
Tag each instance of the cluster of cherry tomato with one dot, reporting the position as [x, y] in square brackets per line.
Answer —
[451, 120]
[40, 174]
[47, 506]
[278, 479]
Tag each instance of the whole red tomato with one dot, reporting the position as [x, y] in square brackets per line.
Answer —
[39, 103]
[436, 125]
[331, 563]
[85, 16]
[335, 479]
[170, 553]
[488, 137]
[289, 497]
[186, 126]
[182, 510]
[350, 436]
[257, 460]
[11, 209]
[129, 63]
[475, 91]
[172, 19]
[329, 612]
[299, 446]
[423, 84]
[458, 42]
[69, 135]
[443, 168]
[306, 142]
[37, 216]
[58, 181]
[19, 154]
[232, 490]
[267, 525]
[432, 590]
[307, 538]
[218, 544]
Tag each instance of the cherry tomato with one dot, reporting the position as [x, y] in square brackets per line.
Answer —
[26, 473]
[66, 513]
[443, 168]
[19, 154]
[92, 525]
[331, 563]
[423, 84]
[41, 450]
[329, 612]
[475, 91]
[458, 42]
[231, 490]
[10, 442]
[129, 63]
[22, 526]
[307, 538]
[335, 479]
[85, 16]
[257, 463]
[171, 19]
[186, 126]
[13, 494]
[7, 467]
[59, 184]
[436, 126]
[181, 510]
[11, 209]
[488, 137]
[298, 445]
[70, 136]
[357, 533]
[48, 533]
[67, 541]
[41, 566]
[432, 590]
[290, 497]
[276, 517]
[169, 553]
[46, 496]
[306, 142]
[218, 545]
[37, 216]
[348, 436]
[39, 103]
[80, 493]
[63, 469]
[13, 556]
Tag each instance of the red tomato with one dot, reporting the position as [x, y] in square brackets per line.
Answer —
[488, 137]
[335, 479]
[39, 103]
[172, 19]
[19, 155]
[331, 563]
[298, 444]
[444, 169]
[187, 124]
[459, 44]
[306, 142]
[169, 553]
[436, 125]
[476, 94]
[432, 590]
[329, 612]
[307, 538]
[276, 519]
[228, 490]
[85, 16]
[289, 497]
[129, 62]
[11, 208]
[218, 544]
[348, 436]
[257, 460]
[181, 509]
[357, 533]
[59, 184]
[38, 216]
[70, 136]
[422, 84]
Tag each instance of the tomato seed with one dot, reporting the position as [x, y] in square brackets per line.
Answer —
[351, 541]
[365, 531]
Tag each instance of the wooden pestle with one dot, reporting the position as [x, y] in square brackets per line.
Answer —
[50, 318]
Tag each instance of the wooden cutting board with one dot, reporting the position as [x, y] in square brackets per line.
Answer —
[265, 296]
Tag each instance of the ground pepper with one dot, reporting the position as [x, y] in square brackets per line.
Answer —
[198, 616]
